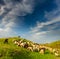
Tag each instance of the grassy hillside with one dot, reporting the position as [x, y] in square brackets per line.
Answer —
[55, 44]
[11, 51]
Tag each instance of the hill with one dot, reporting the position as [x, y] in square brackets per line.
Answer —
[12, 51]
[55, 44]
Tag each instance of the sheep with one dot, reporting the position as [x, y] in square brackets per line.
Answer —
[56, 52]
[22, 44]
[18, 44]
[50, 49]
[6, 41]
[15, 42]
[28, 42]
[42, 51]
[40, 46]
[25, 45]
[30, 48]
[20, 41]
[35, 48]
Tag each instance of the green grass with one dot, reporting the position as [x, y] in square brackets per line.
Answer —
[55, 44]
[11, 51]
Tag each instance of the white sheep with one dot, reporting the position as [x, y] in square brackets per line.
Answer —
[56, 54]
[22, 45]
[30, 48]
[15, 42]
[35, 48]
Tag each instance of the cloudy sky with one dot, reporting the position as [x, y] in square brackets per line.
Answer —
[36, 20]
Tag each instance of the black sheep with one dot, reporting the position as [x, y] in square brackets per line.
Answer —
[6, 41]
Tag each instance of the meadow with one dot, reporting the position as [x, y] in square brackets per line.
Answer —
[11, 51]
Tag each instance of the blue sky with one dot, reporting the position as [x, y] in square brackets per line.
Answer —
[36, 20]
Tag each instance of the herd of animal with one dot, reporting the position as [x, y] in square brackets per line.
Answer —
[34, 47]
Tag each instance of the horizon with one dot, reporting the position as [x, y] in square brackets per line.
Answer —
[37, 21]
[28, 40]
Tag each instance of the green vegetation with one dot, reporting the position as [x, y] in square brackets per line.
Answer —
[55, 44]
[11, 51]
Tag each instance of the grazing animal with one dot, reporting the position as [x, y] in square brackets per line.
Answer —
[30, 48]
[18, 44]
[42, 51]
[22, 44]
[50, 49]
[35, 48]
[15, 42]
[6, 41]
[56, 52]
[26, 45]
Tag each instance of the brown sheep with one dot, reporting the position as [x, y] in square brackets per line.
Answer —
[26, 45]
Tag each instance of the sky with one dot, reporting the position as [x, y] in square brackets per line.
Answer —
[35, 20]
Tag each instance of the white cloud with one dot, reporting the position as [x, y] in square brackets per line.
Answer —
[19, 8]
[6, 32]
[52, 17]
[16, 9]
[40, 25]
[10, 11]
[2, 10]
[41, 36]
[37, 33]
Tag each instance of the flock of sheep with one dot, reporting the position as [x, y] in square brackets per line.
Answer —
[34, 47]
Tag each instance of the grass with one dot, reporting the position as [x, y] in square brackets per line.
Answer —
[11, 51]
